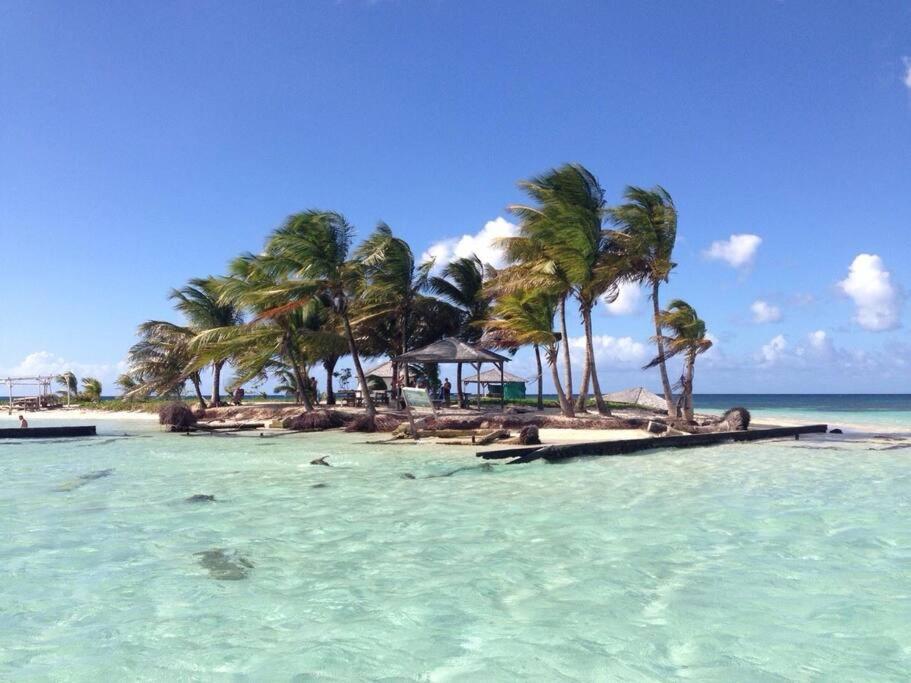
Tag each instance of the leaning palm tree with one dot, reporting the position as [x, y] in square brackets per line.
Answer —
[390, 282]
[129, 384]
[565, 225]
[70, 384]
[647, 231]
[461, 283]
[522, 319]
[687, 336]
[160, 359]
[309, 255]
[203, 308]
[91, 389]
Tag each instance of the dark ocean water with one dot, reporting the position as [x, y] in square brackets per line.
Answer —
[807, 402]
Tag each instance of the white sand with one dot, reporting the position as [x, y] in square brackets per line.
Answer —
[82, 414]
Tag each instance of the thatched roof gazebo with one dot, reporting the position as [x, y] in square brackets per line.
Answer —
[449, 350]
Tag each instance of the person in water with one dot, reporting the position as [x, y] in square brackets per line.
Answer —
[23, 423]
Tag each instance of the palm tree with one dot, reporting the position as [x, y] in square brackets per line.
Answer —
[461, 283]
[292, 340]
[565, 227]
[70, 384]
[160, 360]
[309, 252]
[391, 282]
[647, 232]
[204, 309]
[129, 384]
[521, 319]
[688, 337]
[91, 389]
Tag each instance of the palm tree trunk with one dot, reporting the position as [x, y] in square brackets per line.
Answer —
[566, 407]
[662, 366]
[540, 378]
[369, 406]
[459, 394]
[300, 379]
[688, 387]
[329, 365]
[593, 370]
[582, 397]
[567, 364]
[194, 378]
[216, 382]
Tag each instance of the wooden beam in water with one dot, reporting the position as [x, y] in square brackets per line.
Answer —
[47, 432]
[632, 446]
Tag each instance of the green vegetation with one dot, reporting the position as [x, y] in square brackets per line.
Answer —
[311, 296]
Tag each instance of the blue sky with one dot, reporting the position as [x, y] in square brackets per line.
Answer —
[142, 144]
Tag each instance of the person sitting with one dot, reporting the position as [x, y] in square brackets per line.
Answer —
[23, 423]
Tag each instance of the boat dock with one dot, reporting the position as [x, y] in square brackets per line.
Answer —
[47, 432]
[556, 453]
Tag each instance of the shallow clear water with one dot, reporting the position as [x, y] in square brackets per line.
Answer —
[763, 561]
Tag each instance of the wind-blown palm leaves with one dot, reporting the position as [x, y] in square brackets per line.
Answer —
[565, 243]
[160, 360]
[91, 389]
[70, 384]
[309, 253]
[461, 283]
[522, 319]
[687, 336]
[204, 309]
[647, 232]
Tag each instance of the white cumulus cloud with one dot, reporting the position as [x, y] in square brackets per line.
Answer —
[47, 363]
[907, 78]
[610, 351]
[737, 251]
[481, 243]
[877, 299]
[764, 312]
[772, 352]
[629, 298]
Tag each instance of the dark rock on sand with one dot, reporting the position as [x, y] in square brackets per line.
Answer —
[529, 436]
[201, 498]
[225, 565]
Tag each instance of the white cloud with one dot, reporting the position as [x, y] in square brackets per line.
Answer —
[907, 78]
[773, 352]
[481, 243]
[764, 312]
[47, 363]
[819, 340]
[737, 251]
[629, 298]
[610, 351]
[876, 298]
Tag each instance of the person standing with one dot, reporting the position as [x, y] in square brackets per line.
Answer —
[447, 391]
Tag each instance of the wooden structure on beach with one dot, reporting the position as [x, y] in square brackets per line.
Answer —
[560, 452]
[44, 397]
[47, 432]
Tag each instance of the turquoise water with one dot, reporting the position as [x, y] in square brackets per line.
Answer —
[774, 561]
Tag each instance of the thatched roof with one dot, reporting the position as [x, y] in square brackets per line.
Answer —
[492, 376]
[449, 350]
[637, 396]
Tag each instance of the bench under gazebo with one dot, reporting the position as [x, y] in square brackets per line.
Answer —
[449, 351]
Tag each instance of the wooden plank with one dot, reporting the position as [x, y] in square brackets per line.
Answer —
[631, 446]
[47, 432]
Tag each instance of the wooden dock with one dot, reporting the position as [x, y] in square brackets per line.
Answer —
[47, 432]
[632, 446]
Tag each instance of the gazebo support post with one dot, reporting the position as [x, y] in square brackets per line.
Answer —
[502, 390]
